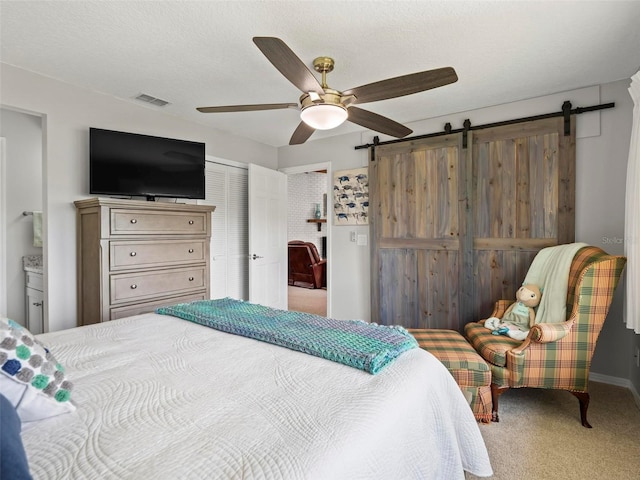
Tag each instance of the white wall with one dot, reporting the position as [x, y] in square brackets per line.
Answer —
[68, 112]
[23, 191]
[600, 197]
[602, 149]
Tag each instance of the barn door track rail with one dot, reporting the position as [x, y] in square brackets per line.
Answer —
[566, 112]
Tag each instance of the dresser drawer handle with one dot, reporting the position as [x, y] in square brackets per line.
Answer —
[134, 286]
[133, 220]
[190, 222]
[191, 250]
[133, 254]
[191, 279]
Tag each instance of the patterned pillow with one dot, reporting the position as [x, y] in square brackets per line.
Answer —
[30, 377]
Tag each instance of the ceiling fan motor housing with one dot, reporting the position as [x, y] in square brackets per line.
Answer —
[330, 97]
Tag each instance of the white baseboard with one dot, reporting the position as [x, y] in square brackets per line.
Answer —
[620, 382]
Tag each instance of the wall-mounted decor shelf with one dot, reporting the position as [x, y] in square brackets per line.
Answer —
[319, 221]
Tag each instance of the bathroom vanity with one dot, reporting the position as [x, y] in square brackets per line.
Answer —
[34, 293]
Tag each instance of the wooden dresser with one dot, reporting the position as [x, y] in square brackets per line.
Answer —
[134, 256]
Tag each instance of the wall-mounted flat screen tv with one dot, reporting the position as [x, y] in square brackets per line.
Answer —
[131, 164]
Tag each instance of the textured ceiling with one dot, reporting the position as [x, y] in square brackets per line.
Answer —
[200, 53]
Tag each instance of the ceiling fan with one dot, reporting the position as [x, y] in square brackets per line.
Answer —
[322, 107]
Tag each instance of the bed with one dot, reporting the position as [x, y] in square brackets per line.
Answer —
[159, 397]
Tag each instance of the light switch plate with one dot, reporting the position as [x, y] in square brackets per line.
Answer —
[362, 240]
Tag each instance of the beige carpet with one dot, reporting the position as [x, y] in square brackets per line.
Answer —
[308, 300]
[539, 436]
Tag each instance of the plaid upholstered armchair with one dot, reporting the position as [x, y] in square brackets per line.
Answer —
[554, 355]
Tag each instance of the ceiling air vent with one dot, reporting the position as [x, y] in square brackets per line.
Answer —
[143, 97]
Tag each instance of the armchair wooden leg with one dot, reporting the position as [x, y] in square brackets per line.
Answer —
[583, 398]
[496, 391]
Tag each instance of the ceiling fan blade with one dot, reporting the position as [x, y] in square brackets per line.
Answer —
[376, 122]
[247, 108]
[302, 134]
[283, 58]
[403, 85]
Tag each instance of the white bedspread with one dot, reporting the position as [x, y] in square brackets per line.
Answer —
[162, 398]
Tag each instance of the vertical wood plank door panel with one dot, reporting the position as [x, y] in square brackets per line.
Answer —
[523, 193]
[415, 217]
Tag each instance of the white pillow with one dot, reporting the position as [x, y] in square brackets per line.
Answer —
[30, 377]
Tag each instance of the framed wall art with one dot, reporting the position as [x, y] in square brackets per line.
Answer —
[351, 197]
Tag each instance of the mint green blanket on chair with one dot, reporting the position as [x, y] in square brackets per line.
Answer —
[367, 346]
[550, 272]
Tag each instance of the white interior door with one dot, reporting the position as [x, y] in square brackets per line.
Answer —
[267, 237]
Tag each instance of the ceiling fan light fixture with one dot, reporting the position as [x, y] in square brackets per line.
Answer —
[323, 116]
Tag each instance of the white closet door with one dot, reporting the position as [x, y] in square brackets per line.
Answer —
[226, 189]
[237, 234]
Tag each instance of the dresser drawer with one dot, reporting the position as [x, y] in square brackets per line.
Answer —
[160, 253]
[138, 308]
[145, 222]
[127, 287]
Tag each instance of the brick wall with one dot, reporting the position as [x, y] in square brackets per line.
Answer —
[304, 191]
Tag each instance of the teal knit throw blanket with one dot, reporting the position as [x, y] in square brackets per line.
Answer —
[367, 346]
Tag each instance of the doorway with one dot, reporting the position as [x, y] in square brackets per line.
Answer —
[22, 197]
[307, 221]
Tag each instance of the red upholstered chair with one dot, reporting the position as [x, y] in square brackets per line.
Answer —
[306, 268]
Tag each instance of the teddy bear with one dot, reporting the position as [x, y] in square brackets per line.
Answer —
[520, 316]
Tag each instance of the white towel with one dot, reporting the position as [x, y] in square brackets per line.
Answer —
[37, 229]
[550, 272]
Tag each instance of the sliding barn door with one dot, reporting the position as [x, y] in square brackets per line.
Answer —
[454, 229]
[415, 211]
[523, 200]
